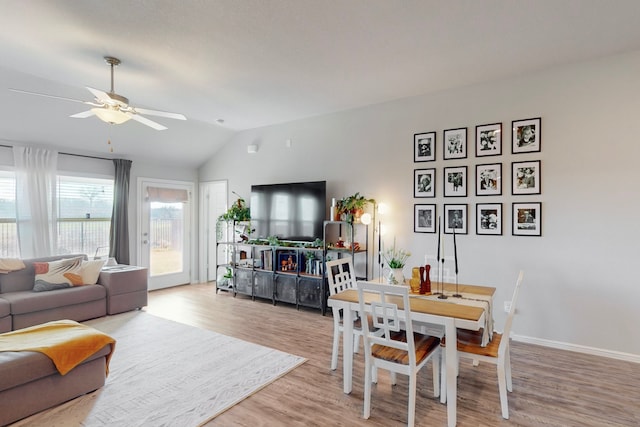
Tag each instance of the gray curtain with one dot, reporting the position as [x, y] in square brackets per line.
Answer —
[119, 233]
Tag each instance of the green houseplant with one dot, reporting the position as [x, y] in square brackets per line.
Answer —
[239, 211]
[352, 207]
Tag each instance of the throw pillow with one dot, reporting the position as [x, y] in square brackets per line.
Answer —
[90, 271]
[59, 274]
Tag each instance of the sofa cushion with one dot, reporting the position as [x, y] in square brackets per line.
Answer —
[28, 301]
[58, 274]
[20, 367]
[5, 308]
[90, 271]
[23, 280]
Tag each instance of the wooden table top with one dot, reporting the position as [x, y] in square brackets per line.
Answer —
[420, 305]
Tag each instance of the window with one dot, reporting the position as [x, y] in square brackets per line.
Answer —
[8, 230]
[84, 215]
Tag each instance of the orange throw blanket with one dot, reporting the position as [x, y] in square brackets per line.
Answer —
[66, 342]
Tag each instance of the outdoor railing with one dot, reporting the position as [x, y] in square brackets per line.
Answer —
[89, 236]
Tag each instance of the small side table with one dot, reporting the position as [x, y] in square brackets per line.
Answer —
[126, 287]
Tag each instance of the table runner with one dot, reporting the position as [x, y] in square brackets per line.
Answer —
[475, 300]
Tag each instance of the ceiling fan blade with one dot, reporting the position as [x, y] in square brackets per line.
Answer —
[50, 96]
[160, 113]
[83, 115]
[145, 121]
[99, 94]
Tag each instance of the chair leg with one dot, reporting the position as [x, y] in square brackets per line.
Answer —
[502, 387]
[356, 343]
[476, 362]
[413, 377]
[367, 388]
[393, 378]
[507, 370]
[435, 362]
[443, 377]
[334, 353]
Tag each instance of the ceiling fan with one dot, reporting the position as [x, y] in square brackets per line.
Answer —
[113, 108]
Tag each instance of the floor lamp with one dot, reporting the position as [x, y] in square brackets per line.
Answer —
[366, 220]
[381, 209]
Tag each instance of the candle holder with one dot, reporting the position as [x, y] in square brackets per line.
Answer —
[455, 257]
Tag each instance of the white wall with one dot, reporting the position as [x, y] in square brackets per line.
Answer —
[579, 290]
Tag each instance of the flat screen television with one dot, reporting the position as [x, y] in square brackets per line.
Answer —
[290, 211]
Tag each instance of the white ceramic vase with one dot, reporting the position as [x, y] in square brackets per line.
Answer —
[395, 277]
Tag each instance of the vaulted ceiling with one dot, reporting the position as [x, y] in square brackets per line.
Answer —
[254, 63]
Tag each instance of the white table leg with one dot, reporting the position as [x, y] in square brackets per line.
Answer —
[347, 349]
[451, 358]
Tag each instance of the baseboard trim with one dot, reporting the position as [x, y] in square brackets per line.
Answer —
[578, 348]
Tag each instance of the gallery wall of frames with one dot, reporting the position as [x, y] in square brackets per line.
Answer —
[486, 177]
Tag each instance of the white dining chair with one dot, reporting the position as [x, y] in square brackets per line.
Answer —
[394, 349]
[496, 352]
[341, 276]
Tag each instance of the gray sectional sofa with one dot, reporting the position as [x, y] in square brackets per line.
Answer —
[29, 381]
[21, 307]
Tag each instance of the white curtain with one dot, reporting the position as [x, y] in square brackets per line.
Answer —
[36, 210]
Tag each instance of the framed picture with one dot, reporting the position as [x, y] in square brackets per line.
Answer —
[424, 183]
[525, 177]
[455, 182]
[527, 219]
[527, 136]
[489, 219]
[424, 147]
[455, 143]
[489, 179]
[424, 218]
[489, 140]
[455, 216]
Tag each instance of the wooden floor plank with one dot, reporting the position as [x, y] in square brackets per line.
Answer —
[551, 387]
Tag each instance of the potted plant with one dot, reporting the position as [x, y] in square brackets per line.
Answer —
[239, 211]
[352, 207]
[396, 260]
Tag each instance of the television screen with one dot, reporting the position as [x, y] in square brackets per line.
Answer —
[293, 211]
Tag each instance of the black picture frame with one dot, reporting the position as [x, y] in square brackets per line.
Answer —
[454, 143]
[424, 218]
[527, 136]
[525, 178]
[424, 183]
[489, 140]
[489, 219]
[455, 181]
[455, 216]
[424, 147]
[489, 179]
[526, 219]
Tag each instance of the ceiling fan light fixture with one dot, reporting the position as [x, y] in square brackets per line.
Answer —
[115, 117]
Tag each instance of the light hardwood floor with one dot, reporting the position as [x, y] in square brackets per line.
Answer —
[551, 387]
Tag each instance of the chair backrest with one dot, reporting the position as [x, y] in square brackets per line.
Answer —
[512, 311]
[384, 301]
[341, 275]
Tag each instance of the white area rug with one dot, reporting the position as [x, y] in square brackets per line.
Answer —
[164, 373]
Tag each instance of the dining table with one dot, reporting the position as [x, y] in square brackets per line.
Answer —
[471, 310]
